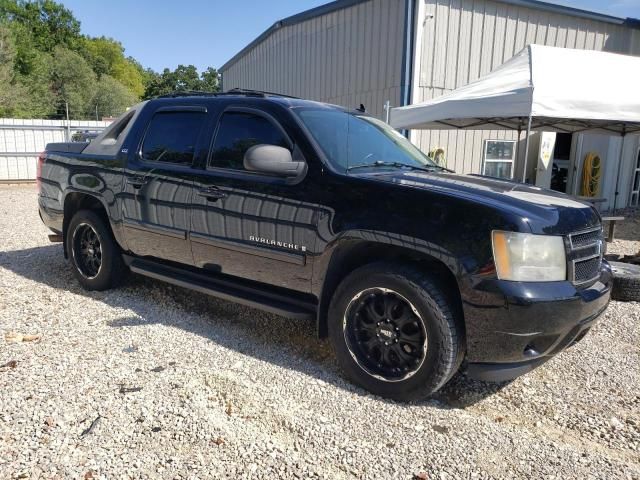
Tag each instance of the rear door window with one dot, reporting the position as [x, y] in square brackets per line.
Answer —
[239, 131]
[172, 137]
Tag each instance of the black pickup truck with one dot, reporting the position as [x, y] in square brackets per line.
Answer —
[313, 211]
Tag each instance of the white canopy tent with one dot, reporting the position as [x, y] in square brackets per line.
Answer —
[540, 88]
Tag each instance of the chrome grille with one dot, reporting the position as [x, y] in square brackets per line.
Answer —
[585, 238]
[586, 270]
[585, 256]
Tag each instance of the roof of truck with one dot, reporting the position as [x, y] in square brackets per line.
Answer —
[243, 94]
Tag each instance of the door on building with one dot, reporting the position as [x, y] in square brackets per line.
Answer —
[544, 168]
[249, 224]
[561, 163]
[158, 184]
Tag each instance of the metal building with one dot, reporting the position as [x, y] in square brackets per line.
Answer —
[350, 52]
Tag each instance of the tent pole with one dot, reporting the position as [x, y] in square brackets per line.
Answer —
[620, 159]
[518, 144]
[526, 151]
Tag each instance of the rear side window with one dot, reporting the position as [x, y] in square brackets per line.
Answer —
[239, 131]
[172, 136]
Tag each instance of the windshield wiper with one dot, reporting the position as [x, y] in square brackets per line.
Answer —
[380, 163]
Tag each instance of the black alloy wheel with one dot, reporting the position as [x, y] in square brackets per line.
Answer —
[95, 256]
[87, 250]
[396, 329]
[385, 334]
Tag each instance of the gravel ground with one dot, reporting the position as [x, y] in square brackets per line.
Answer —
[152, 381]
[627, 236]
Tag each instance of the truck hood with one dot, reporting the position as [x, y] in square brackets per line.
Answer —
[546, 211]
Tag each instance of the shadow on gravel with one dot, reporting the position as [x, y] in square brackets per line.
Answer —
[284, 342]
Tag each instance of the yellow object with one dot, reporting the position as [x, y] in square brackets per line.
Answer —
[591, 174]
[437, 155]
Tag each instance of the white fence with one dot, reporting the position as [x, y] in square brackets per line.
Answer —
[22, 140]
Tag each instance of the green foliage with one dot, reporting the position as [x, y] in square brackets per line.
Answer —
[183, 78]
[46, 63]
[73, 82]
[112, 97]
[106, 57]
[102, 53]
[210, 79]
[129, 76]
[35, 98]
[7, 56]
[15, 97]
[50, 23]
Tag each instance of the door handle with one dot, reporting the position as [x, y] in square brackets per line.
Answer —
[137, 182]
[212, 193]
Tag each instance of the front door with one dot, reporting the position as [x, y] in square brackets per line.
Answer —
[545, 159]
[158, 184]
[248, 224]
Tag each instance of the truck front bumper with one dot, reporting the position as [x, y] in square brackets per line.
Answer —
[514, 327]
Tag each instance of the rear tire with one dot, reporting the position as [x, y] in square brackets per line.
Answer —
[95, 256]
[395, 331]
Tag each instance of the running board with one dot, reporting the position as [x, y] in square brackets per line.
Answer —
[223, 287]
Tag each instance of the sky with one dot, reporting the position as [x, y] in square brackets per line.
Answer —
[165, 33]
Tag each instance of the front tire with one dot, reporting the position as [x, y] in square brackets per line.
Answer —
[395, 331]
[94, 253]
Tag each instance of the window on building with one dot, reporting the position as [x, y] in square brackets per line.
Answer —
[499, 156]
[237, 133]
[172, 136]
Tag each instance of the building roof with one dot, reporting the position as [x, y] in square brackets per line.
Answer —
[340, 4]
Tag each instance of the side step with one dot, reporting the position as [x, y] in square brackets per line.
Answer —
[216, 285]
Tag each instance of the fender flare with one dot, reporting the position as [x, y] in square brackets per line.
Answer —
[329, 266]
[97, 197]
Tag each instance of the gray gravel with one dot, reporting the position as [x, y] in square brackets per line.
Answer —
[152, 381]
[627, 236]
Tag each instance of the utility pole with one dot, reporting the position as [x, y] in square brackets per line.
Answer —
[97, 112]
[66, 106]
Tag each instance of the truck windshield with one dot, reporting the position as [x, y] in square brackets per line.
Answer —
[353, 141]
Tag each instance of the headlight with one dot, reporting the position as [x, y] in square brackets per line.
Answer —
[524, 257]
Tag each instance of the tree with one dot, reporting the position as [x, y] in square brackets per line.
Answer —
[73, 82]
[102, 53]
[7, 56]
[183, 78]
[37, 100]
[106, 57]
[46, 62]
[210, 79]
[112, 98]
[129, 76]
[50, 23]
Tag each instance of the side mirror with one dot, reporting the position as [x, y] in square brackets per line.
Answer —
[272, 159]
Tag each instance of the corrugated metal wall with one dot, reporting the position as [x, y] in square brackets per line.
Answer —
[354, 55]
[461, 40]
[346, 57]
[21, 140]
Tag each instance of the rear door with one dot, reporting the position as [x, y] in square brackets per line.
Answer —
[249, 224]
[158, 183]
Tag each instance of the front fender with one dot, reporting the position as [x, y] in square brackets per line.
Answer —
[352, 249]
